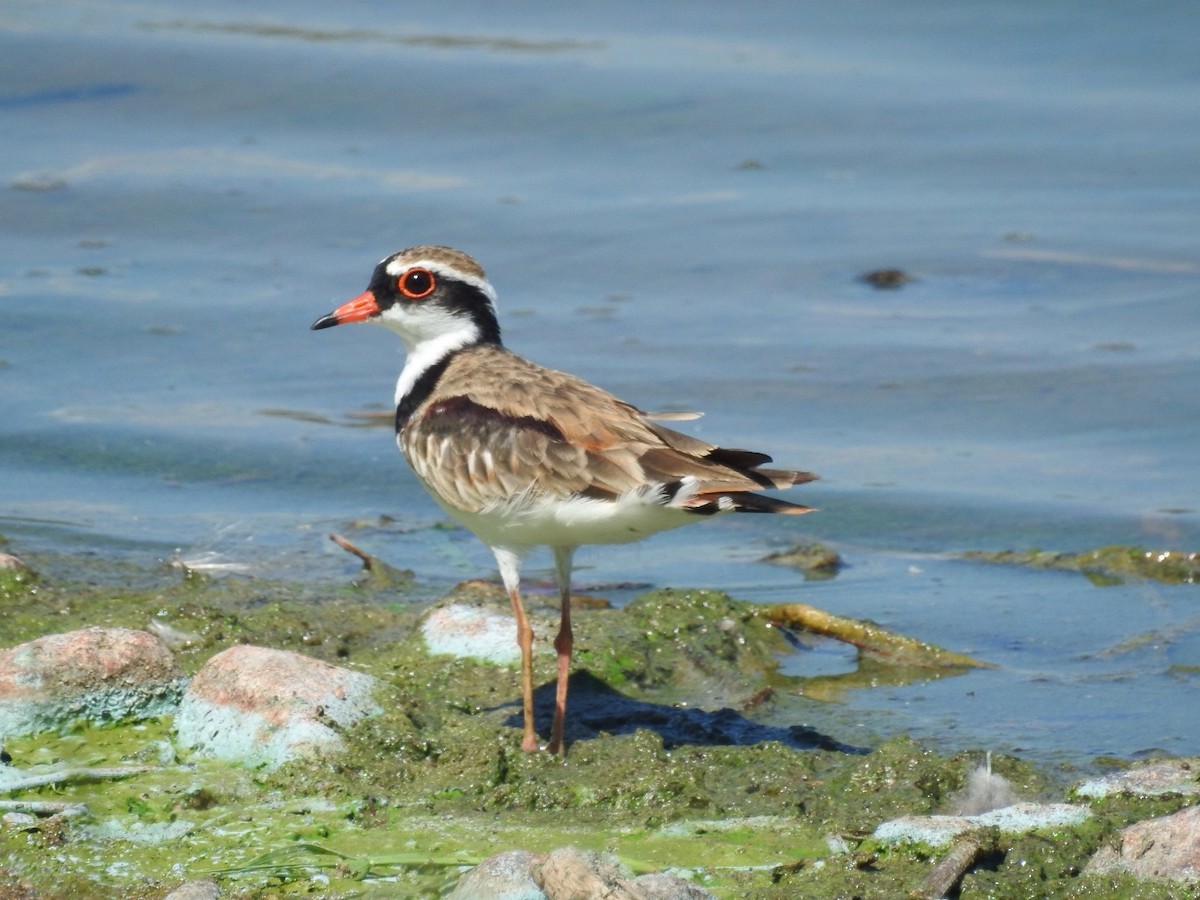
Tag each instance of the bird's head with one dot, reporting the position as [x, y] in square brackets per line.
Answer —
[425, 294]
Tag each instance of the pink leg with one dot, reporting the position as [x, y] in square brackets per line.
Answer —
[563, 643]
[509, 564]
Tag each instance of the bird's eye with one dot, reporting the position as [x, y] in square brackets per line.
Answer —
[416, 284]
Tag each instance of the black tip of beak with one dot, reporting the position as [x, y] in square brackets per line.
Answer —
[326, 321]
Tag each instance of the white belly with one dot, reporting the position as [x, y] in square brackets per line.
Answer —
[533, 521]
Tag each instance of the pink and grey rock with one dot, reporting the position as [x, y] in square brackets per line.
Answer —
[98, 674]
[567, 872]
[261, 706]
[1167, 847]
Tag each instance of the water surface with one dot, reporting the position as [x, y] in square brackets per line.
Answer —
[676, 204]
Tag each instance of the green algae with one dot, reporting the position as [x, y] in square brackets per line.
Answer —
[675, 639]
[15, 581]
[15, 577]
[437, 782]
[1104, 566]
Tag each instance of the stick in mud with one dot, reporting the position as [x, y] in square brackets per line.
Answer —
[870, 638]
[25, 782]
[947, 873]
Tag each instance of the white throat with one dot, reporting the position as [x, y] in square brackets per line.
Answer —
[429, 352]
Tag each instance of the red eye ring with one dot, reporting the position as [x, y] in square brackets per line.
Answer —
[416, 284]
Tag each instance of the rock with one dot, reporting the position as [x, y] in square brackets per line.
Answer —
[660, 886]
[19, 821]
[567, 873]
[505, 876]
[261, 706]
[1166, 847]
[886, 279]
[12, 563]
[815, 560]
[99, 674]
[205, 889]
[475, 621]
[1173, 776]
[460, 629]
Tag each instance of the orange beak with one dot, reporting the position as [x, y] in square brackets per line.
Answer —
[359, 309]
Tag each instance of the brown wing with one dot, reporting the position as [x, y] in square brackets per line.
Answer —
[499, 426]
[474, 456]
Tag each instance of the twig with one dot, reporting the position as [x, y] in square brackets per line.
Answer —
[25, 782]
[870, 638]
[380, 574]
[367, 560]
[947, 873]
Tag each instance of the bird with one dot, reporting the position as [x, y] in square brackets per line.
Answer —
[525, 456]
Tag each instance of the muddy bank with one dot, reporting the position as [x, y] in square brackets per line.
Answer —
[673, 762]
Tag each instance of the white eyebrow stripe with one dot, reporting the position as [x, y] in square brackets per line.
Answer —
[397, 267]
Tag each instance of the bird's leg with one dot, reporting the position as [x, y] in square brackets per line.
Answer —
[562, 646]
[509, 564]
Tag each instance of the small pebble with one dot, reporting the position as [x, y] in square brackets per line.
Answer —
[886, 279]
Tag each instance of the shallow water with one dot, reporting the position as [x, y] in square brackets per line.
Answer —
[676, 208]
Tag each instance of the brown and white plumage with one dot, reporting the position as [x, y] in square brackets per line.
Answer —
[526, 456]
